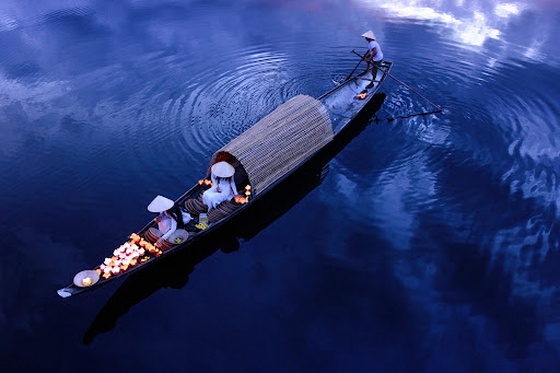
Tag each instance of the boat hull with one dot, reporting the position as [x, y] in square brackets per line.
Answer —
[344, 110]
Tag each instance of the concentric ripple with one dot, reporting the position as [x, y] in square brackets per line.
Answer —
[438, 234]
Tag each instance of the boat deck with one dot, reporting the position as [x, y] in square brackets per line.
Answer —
[343, 106]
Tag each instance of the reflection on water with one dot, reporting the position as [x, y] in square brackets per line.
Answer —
[431, 240]
[513, 24]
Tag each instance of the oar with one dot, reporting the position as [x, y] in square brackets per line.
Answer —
[440, 109]
[361, 59]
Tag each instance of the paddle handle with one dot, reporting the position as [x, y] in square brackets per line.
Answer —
[359, 62]
[404, 84]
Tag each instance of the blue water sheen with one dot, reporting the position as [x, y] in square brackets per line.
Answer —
[428, 243]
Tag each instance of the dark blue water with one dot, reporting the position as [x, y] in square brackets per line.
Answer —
[431, 244]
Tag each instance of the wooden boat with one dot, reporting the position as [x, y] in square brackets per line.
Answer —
[264, 155]
[174, 271]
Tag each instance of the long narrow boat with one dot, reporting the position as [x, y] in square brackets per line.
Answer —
[174, 271]
[264, 155]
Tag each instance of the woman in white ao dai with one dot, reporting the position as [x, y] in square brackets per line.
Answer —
[224, 187]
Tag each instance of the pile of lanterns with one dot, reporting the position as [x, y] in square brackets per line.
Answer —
[136, 251]
[127, 255]
[149, 247]
[240, 199]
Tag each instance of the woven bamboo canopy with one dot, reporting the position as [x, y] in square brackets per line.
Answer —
[279, 142]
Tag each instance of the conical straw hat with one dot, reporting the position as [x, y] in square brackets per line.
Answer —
[223, 169]
[90, 277]
[369, 35]
[160, 204]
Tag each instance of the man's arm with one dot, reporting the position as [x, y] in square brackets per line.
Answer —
[369, 56]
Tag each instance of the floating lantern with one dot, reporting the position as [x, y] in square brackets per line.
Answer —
[135, 237]
[125, 256]
[247, 193]
[206, 182]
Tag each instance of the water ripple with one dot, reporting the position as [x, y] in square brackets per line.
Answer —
[105, 104]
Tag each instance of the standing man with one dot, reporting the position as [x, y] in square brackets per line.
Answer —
[374, 55]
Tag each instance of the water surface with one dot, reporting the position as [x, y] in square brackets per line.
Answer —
[430, 244]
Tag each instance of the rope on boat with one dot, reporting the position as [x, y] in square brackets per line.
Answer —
[195, 206]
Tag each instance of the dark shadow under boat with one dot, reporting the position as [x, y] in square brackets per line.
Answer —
[174, 270]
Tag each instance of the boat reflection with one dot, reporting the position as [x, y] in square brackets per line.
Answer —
[174, 271]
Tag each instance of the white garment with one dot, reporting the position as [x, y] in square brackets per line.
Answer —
[167, 224]
[379, 55]
[213, 198]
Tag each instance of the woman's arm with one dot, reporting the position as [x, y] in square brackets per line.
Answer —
[172, 229]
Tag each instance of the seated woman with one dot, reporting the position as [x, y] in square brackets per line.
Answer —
[170, 217]
[224, 187]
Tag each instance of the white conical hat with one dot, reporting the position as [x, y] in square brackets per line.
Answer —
[160, 204]
[223, 169]
[369, 35]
